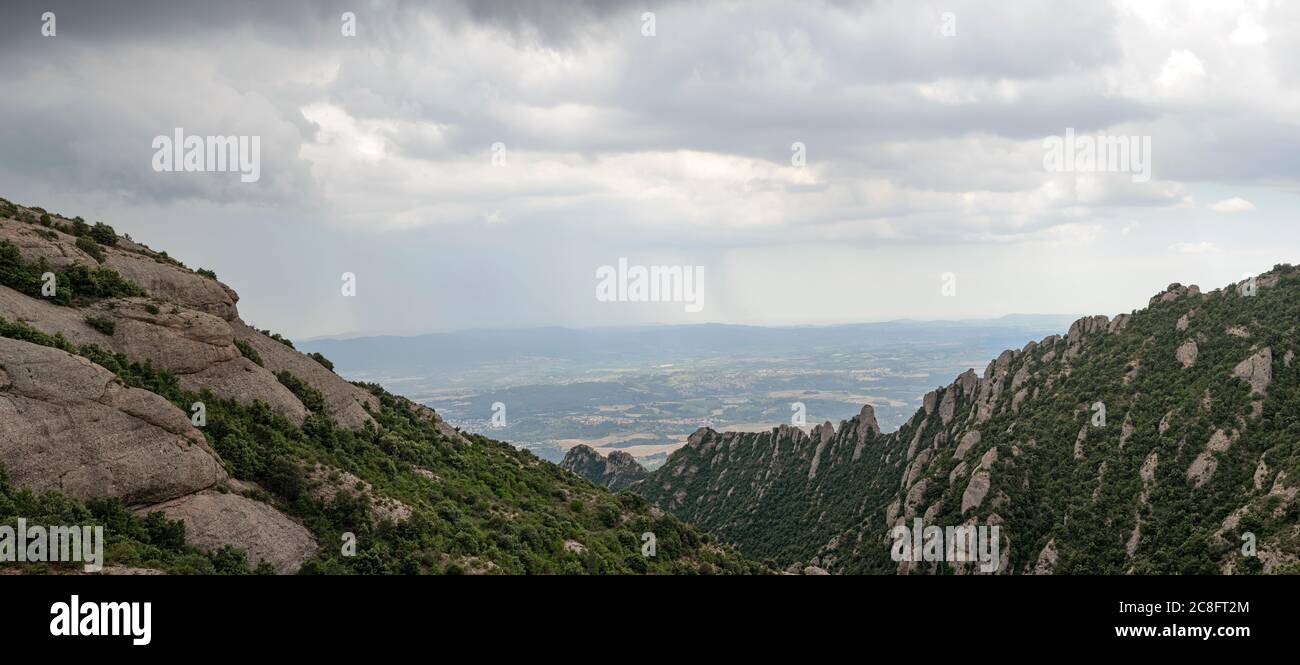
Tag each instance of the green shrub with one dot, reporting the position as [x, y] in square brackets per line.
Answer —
[85, 244]
[149, 542]
[276, 336]
[206, 273]
[309, 396]
[90, 284]
[103, 234]
[322, 360]
[75, 285]
[45, 220]
[248, 351]
[101, 324]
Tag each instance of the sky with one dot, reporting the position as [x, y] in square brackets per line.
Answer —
[475, 164]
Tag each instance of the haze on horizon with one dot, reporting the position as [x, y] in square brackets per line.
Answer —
[923, 128]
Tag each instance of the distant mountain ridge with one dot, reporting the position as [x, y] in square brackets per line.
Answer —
[1156, 442]
[461, 349]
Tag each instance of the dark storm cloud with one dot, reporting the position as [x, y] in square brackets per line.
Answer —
[621, 143]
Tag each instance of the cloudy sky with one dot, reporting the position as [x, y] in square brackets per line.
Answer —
[923, 129]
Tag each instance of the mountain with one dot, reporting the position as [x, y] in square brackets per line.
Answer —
[615, 471]
[1165, 440]
[469, 349]
[133, 396]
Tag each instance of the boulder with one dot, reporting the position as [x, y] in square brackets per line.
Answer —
[68, 424]
[1256, 370]
[347, 403]
[213, 519]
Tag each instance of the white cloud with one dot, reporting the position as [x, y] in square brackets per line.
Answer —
[1234, 204]
[1249, 32]
[617, 143]
[1181, 68]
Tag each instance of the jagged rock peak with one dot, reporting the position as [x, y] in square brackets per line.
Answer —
[1086, 326]
[1175, 291]
[867, 421]
[616, 470]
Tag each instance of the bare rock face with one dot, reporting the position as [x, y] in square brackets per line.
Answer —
[1148, 475]
[1126, 430]
[1203, 467]
[154, 273]
[183, 341]
[1047, 558]
[347, 403]
[1021, 377]
[1019, 399]
[58, 252]
[174, 284]
[244, 382]
[978, 487]
[915, 468]
[615, 470]
[967, 382]
[1148, 470]
[1186, 354]
[1261, 473]
[824, 434]
[213, 519]
[866, 427]
[867, 421]
[948, 406]
[1079, 440]
[990, 389]
[914, 497]
[191, 333]
[1083, 329]
[1174, 292]
[197, 347]
[70, 425]
[49, 318]
[1256, 370]
[1134, 538]
[325, 483]
[969, 440]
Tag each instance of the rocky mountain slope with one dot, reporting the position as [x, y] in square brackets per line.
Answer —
[1166, 440]
[615, 471]
[132, 395]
